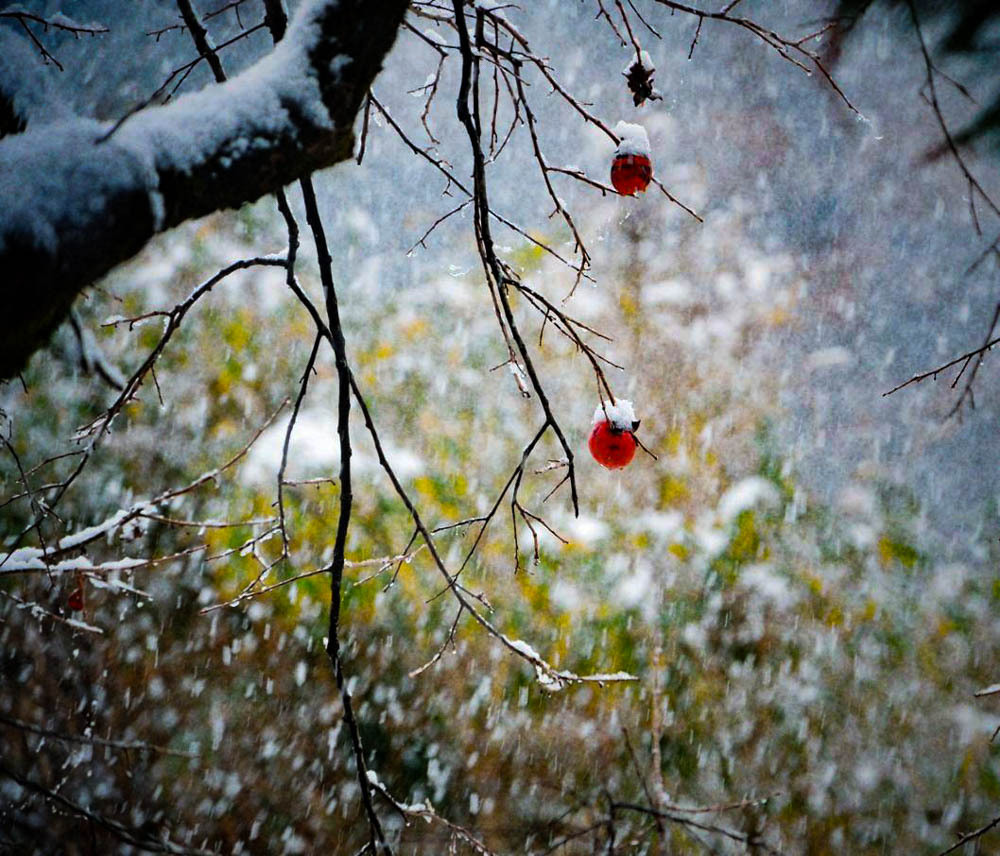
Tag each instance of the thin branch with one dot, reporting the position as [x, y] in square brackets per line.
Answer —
[303, 386]
[449, 639]
[930, 70]
[967, 389]
[384, 562]
[200, 36]
[122, 745]
[84, 537]
[453, 181]
[966, 837]
[57, 23]
[135, 837]
[179, 74]
[785, 47]
[426, 812]
[277, 23]
[496, 277]
[749, 839]
[548, 675]
[933, 373]
[233, 4]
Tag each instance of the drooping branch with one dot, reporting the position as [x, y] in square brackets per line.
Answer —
[56, 22]
[497, 277]
[77, 202]
[790, 50]
[336, 338]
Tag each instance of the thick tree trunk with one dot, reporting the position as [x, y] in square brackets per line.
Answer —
[75, 202]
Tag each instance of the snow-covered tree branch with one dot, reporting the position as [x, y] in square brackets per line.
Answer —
[79, 196]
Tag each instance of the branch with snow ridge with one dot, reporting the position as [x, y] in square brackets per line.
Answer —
[77, 201]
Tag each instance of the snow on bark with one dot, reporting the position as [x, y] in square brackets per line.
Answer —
[553, 679]
[31, 558]
[76, 200]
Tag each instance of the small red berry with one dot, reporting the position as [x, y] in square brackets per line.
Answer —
[75, 600]
[611, 447]
[631, 174]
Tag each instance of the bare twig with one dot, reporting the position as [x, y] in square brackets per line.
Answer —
[966, 837]
[933, 373]
[787, 48]
[749, 839]
[277, 23]
[449, 639]
[135, 837]
[122, 745]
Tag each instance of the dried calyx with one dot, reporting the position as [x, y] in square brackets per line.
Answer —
[639, 77]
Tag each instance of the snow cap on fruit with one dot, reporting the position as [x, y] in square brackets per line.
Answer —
[620, 415]
[633, 140]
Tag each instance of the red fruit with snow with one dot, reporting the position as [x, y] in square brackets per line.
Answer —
[631, 174]
[612, 442]
[632, 168]
[610, 447]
